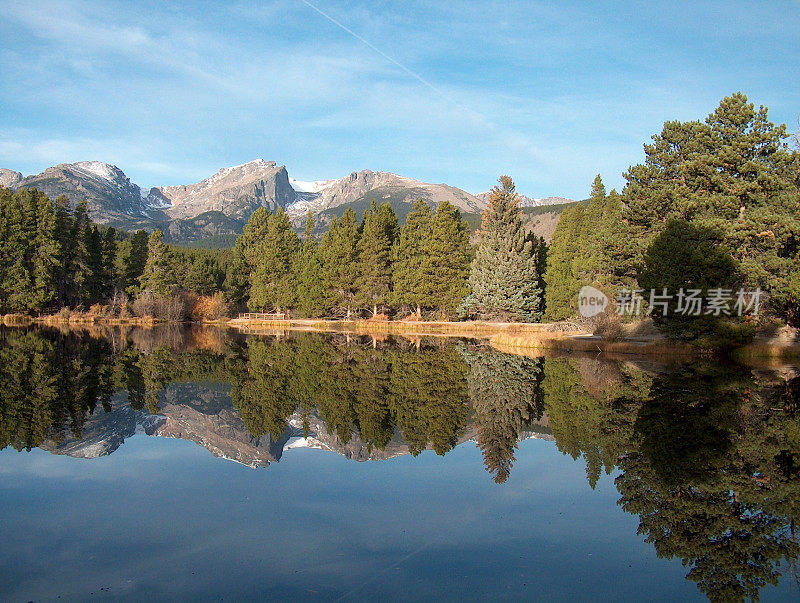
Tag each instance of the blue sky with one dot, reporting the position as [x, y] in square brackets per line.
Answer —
[455, 92]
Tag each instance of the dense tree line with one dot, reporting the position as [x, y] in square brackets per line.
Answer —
[54, 257]
[372, 266]
[716, 204]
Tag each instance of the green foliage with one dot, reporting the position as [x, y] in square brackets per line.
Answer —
[374, 280]
[503, 279]
[506, 395]
[312, 295]
[339, 255]
[409, 255]
[158, 275]
[733, 174]
[449, 254]
[591, 245]
[133, 255]
[686, 257]
[272, 277]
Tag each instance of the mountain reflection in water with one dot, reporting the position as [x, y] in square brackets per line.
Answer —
[706, 455]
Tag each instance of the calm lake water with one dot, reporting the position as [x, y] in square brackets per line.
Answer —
[194, 464]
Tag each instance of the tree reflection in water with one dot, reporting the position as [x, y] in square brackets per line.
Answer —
[706, 455]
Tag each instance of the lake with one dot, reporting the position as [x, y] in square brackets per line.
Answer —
[198, 464]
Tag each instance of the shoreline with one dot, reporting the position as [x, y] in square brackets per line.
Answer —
[508, 337]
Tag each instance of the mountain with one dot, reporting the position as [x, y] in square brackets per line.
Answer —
[530, 201]
[110, 195]
[235, 191]
[216, 208]
[360, 188]
[9, 178]
[204, 414]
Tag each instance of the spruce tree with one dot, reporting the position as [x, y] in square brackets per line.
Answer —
[374, 256]
[63, 235]
[240, 272]
[78, 275]
[412, 281]
[15, 282]
[503, 276]
[95, 279]
[109, 266]
[47, 251]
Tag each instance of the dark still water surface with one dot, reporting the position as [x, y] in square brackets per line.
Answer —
[194, 464]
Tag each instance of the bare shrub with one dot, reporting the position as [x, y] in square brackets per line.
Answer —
[99, 310]
[212, 307]
[171, 309]
[145, 304]
[609, 326]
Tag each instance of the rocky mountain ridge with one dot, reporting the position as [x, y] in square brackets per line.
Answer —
[205, 415]
[222, 203]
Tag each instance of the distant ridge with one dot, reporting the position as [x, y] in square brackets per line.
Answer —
[217, 207]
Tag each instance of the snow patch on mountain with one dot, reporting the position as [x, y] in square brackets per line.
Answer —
[317, 186]
[102, 170]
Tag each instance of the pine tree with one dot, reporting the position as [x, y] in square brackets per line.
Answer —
[63, 235]
[134, 258]
[78, 275]
[157, 276]
[731, 173]
[562, 282]
[503, 276]
[339, 253]
[312, 296]
[95, 280]
[109, 267]
[374, 280]
[449, 254]
[273, 282]
[412, 281]
[239, 277]
[15, 282]
[45, 260]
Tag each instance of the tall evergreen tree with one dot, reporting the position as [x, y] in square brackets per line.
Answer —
[339, 253]
[158, 275]
[95, 278]
[110, 279]
[503, 276]
[449, 254]
[134, 258]
[731, 173]
[412, 285]
[374, 282]
[562, 282]
[273, 278]
[79, 273]
[15, 282]
[45, 260]
[312, 295]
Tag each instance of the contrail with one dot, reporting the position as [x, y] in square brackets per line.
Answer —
[413, 74]
[517, 140]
